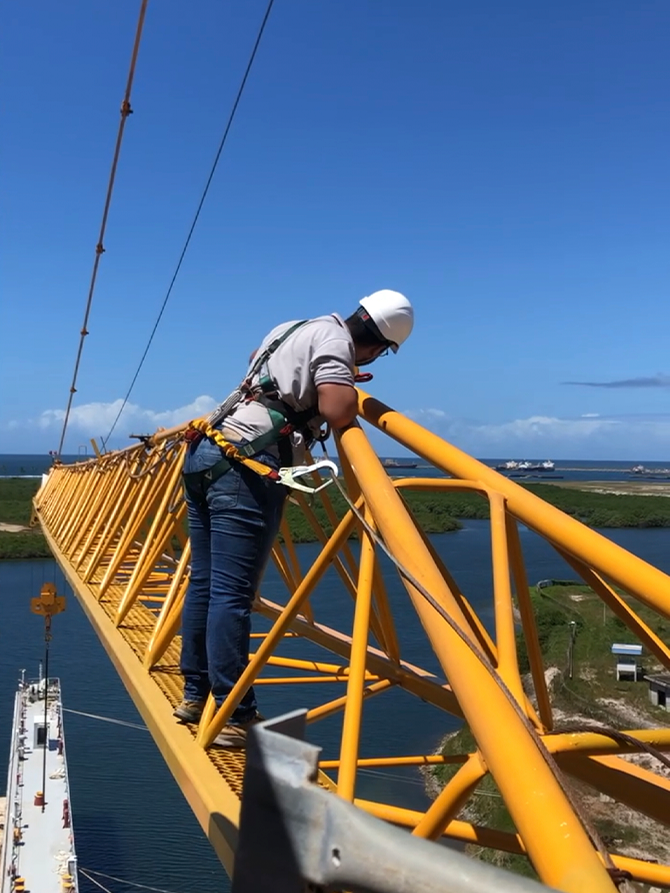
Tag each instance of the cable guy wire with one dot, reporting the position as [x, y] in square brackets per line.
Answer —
[126, 110]
[197, 215]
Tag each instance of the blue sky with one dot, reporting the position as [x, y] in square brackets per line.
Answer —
[503, 164]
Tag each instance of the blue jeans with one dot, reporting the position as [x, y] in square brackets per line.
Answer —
[232, 528]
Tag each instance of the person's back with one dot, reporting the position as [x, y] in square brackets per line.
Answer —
[319, 351]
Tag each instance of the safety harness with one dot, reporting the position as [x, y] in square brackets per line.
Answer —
[285, 420]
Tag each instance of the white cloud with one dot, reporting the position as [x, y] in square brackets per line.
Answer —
[96, 419]
[539, 428]
[419, 414]
[590, 436]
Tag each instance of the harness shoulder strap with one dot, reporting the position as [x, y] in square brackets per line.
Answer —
[261, 360]
[236, 397]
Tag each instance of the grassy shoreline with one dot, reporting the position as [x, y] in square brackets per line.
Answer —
[435, 512]
[585, 692]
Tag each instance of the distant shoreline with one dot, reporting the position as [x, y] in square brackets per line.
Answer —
[619, 488]
[598, 504]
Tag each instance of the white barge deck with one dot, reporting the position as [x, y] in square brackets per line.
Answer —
[38, 854]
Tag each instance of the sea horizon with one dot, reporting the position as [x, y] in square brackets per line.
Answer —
[519, 455]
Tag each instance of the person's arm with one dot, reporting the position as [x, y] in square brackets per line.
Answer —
[338, 404]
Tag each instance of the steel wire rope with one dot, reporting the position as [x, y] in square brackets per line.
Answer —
[118, 722]
[126, 110]
[617, 876]
[87, 872]
[222, 143]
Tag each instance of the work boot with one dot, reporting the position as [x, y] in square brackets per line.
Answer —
[236, 735]
[189, 711]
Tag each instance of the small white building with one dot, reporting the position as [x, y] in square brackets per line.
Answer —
[627, 661]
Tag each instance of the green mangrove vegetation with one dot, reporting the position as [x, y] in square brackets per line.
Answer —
[16, 496]
[435, 512]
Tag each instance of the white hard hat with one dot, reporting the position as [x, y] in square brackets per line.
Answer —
[392, 314]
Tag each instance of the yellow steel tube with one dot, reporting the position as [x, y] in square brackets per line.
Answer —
[387, 626]
[322, 537]
[415, 680]
[508, 666]
[115, 515]
[144, 502]
[351, 726]
[281, 563]
[49, 495]
[294, 564]
[87, 512]
[159, 533]
[338, 564]
[331, 514]
[436, 759]
[596, 744]
[47, 491]
[83, 544]
[289, 680]
[645, 872]
[627, 783]
[101, 492]
[147, 561]
[478, 629]
[161, 639]
[57, 507]
[457, 830]
[382, 628]
[451, 799]
[556, 840]
[95, 481]
[318, 666]
[626, 570]
[330, 708]
[74, 485]
[528, 624]
[175, 595]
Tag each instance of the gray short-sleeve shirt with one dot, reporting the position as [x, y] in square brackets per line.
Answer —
[319, 352]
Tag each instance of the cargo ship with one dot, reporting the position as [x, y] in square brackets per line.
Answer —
[513, 466]
[398, 463]
[38, 853]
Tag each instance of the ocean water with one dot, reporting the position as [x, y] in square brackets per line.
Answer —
[566, 469]
[30, 465]
[129, 816]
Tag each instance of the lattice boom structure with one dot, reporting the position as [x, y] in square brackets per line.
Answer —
[117, 527]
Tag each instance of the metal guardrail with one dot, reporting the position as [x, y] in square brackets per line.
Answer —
[297, 837]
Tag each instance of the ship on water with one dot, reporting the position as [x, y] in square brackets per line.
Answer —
[398, 463]
[38, 853]
[525, 466]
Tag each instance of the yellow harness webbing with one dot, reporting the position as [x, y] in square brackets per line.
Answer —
[230, 450]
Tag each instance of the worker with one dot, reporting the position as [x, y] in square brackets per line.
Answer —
[301, 376]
